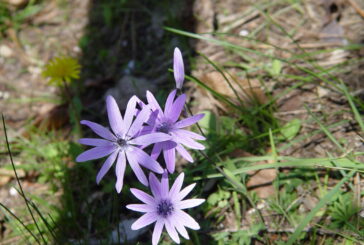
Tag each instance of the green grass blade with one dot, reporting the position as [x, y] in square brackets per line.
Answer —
[334, 163]
[325, 130]
[326, 199]
[18, 181]
[213, 92]
[353, 107]
[21, 222]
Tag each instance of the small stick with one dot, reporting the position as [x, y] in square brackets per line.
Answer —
[356, 7]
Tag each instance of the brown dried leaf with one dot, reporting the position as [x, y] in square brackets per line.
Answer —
[4, 180]
[261, 180]
[53, 117]
[249, 91]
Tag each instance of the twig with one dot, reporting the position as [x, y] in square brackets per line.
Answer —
[356, 7]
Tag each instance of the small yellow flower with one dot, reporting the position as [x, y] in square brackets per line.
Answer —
[62, 69]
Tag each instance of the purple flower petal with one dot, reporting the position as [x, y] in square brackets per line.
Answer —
[176, 187]
[136, 168]
[191, 134]
[164, 184]
[156, 151]
[178, 68]
[185, 191]
[172, 231]
[142, 196]
[153, 102]
[177, 108]
[145, 160]
[120, 170]
[143, 221]
[152, 138]
[169, 154]
[168, 108]
[113, 112]
[153, 117]
[130, 112]
[94, 142]
[157, 232]
[184, 153]
[155, 186]
[138, 122]
[181, 138]
[99, 130]
[186, 220]
[189, 121]
[189, 203]
[145, 130]
[95, 153]
[180, 228]
[106, 166]
[144, 208]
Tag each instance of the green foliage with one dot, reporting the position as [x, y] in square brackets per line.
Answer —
[216, 202]
[291, 129]
[275, 68]
[45, 153]
[219, 198]
[15, 18]
[4, 16]
[344, 213]
[242, 237]
[286, 206]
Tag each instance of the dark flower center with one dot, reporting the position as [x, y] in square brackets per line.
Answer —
[164, 127]
[165, 208]
[121, 142]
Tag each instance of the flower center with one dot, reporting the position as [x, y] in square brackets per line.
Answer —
[121, 142]
[165, 208]
[164, 127]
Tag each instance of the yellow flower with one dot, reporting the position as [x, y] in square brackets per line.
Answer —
[62, 69]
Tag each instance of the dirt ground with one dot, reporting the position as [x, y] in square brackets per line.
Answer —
[316, 26]
[322, 24]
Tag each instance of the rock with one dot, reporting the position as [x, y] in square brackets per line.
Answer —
[128, 86]
[5, 51]
[17, 3]
[10, 173]
[126, 233]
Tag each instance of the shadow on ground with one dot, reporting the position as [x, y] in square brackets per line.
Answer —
[125, 51]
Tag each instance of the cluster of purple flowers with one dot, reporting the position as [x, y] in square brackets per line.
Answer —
[144, 125]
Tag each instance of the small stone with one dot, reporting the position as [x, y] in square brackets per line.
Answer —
[17, 3]
[13, 191]
[5, 51]
[244, 33]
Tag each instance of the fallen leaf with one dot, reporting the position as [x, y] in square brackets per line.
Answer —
[53, 117]
[248, 92]
[260, 180]
[4, 180]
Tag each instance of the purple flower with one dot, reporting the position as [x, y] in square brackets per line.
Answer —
[166, 122]
[178, 68]
[122, 143]
[165, 208]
